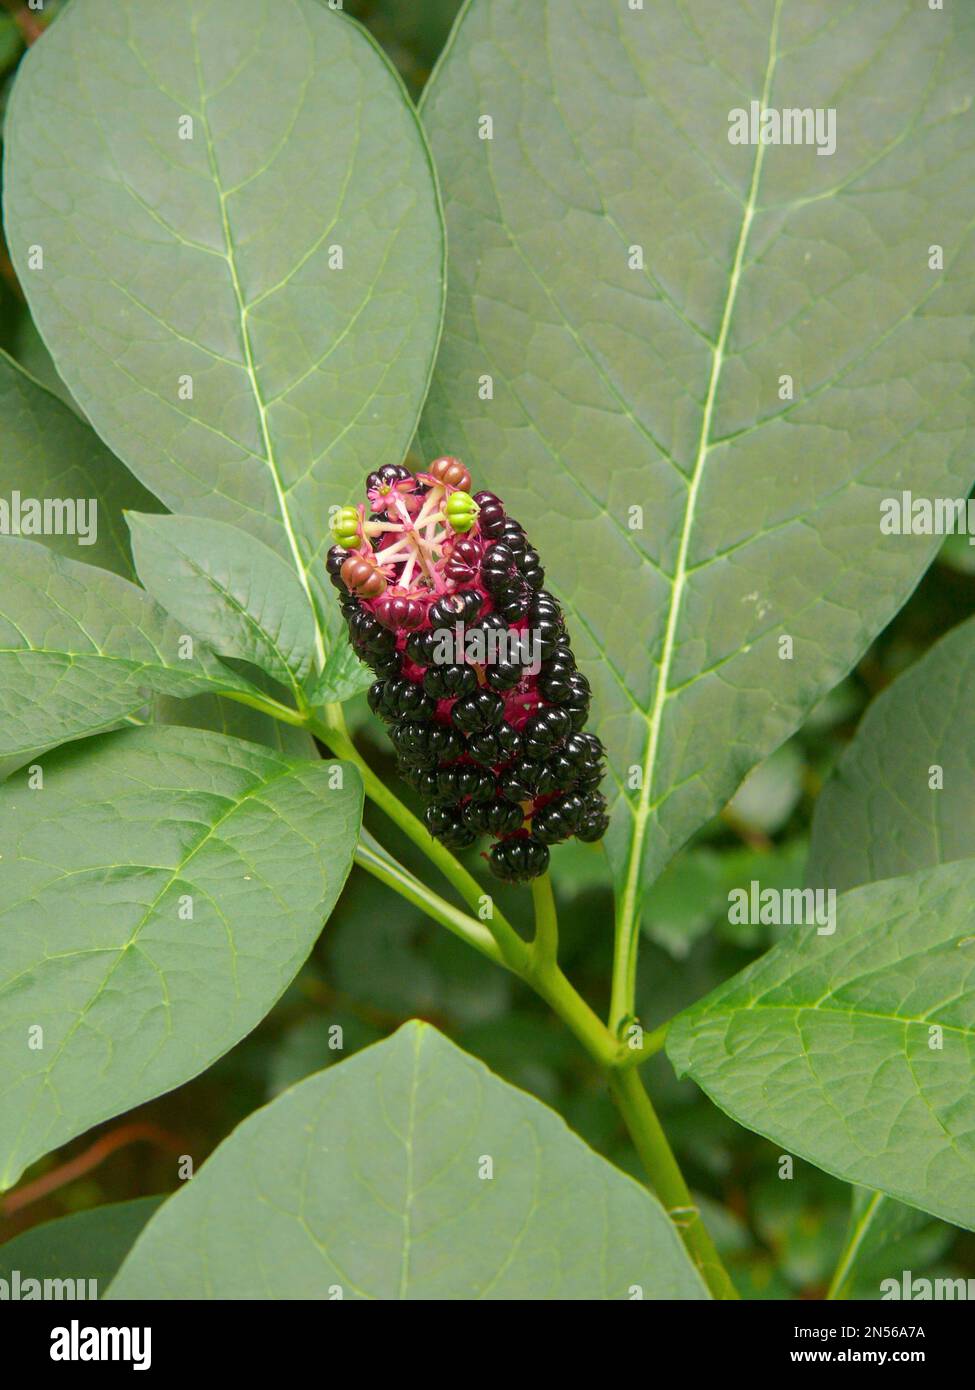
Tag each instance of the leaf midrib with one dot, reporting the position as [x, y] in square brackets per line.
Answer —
[643, 809]
[723, 1017]
[249, 363]
[224, 684]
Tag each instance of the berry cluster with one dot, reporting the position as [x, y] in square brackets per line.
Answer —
[443, 596]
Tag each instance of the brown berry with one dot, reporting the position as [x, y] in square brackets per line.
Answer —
[362, 577]
[451, 471]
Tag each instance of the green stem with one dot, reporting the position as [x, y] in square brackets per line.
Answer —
[563, 999]
[668, 1182]
[651, 1044]
[625, 945]
[267, 705]
[332, 730]
[388, 871]
[545, 947]
[537, 969]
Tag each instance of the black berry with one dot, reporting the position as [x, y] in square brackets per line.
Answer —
[518, 858]
[491, 744]
[478, 713]
[449, 682]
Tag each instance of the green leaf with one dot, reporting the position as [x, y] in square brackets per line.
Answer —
[879, 815]
[79, 647]
[658, 388]
[88, 1245]
[232, 590]
[825, 1045]
[189, 172]
[367, 1178]
[102, 867]
[342, 676]
[956, 552]
[885, 1238]
[48, 454]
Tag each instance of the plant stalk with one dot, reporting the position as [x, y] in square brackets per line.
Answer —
[667, 1179]
[269, 706]
[550, 984]
[332, 730]
[396, 877]
[545, 947]
[626, 943]
[537, 967]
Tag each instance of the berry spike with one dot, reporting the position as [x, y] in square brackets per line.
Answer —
[443, 596]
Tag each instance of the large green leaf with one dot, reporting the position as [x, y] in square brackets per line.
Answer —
[88, 1245]
[826, 1046]
[205, 250]
[79, 647]
[901, 799]
[232, 590]
[658, 388]
[903, 794]
[48, 454]
[102, 868]
[369, 1181]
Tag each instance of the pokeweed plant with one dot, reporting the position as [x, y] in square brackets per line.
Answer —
[693, 359]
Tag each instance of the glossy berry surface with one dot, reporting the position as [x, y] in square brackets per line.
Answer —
[450, 682]
[477, 713]
[443, 594]
[518, 858]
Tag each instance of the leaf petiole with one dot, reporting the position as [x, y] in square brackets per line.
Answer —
[268, 705]
[370, 856]
[332, 731]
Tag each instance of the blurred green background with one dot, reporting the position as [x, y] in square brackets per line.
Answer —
[380, 962]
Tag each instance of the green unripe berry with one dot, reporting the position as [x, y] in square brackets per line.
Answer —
[345, 527]
[461, 511]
